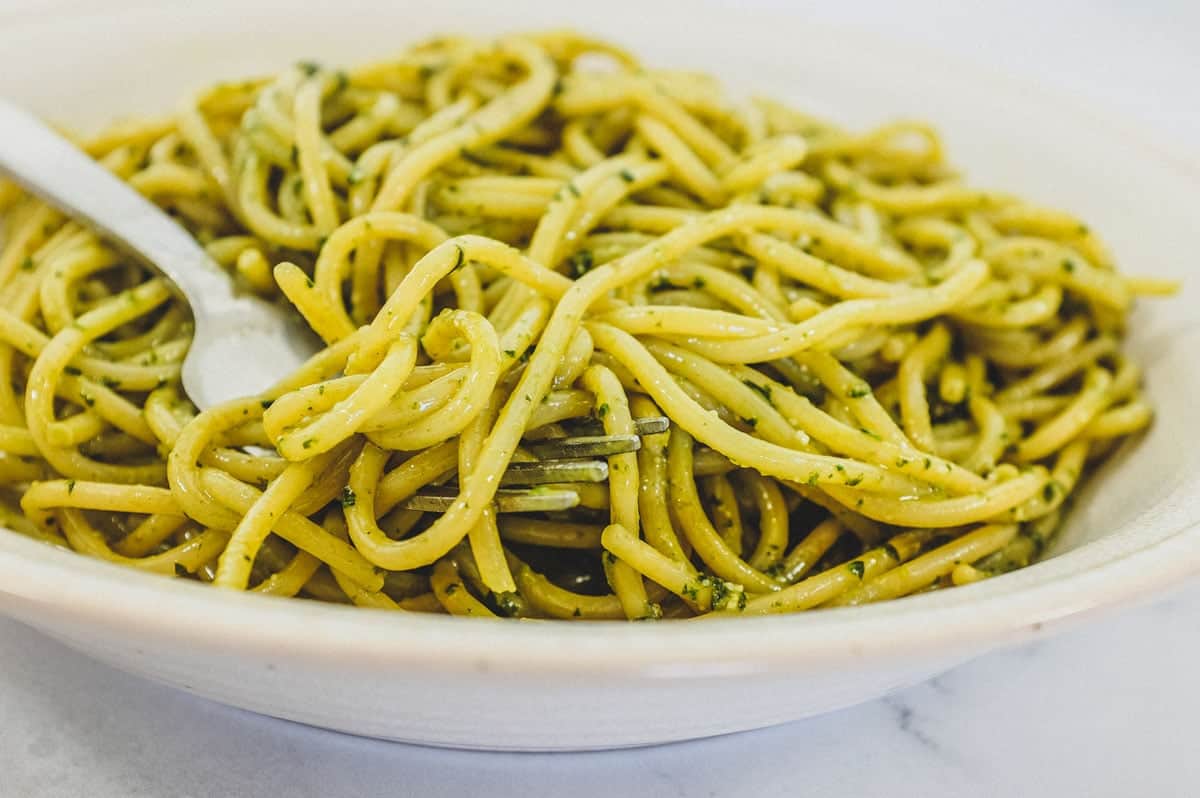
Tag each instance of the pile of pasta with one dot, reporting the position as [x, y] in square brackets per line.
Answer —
[879, 379]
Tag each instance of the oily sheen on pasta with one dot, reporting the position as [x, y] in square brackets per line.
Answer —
[879, 379]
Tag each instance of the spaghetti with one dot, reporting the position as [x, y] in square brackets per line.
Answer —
[880, 380]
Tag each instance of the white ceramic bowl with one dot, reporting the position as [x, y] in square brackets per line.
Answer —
[453, 682]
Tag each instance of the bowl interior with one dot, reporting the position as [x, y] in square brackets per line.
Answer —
[1005, 136]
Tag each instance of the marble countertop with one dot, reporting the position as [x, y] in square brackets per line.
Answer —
[1103, 710]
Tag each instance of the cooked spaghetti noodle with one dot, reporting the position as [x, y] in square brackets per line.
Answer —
[880, 380]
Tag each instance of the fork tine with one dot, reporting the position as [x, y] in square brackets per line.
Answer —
[584, 446]
[541, 473]
[439, 500]
[650, 425]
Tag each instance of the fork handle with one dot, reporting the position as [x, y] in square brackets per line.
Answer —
[49, 166]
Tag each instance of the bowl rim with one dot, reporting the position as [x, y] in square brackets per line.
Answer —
[1129, 564]
[1157, 549]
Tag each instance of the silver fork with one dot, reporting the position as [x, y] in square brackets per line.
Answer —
[244, 344]
[560, 461]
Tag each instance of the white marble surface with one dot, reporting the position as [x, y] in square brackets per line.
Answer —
[1104, 710]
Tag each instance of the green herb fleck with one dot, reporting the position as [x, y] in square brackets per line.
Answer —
[857, 568]
[627, 175]
[72, 370]
[602, 410]
[581, 262]
[27, 264]
[507, 603]
[308, 443]
[349, 498]
[765, 390]
[653, 612]
[70, 486]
